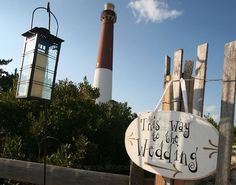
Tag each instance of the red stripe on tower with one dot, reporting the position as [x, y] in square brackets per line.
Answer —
[103, 72]
[105, 51]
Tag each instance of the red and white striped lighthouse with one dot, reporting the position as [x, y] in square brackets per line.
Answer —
[103, 71]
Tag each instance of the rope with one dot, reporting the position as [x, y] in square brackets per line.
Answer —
[183, 89]
[206, 80]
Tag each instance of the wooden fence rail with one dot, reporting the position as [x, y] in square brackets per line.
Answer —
[33, 173]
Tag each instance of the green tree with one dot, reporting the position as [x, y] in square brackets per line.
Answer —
[108, 138]
[87, 135]
[6, 79]
[12, 148]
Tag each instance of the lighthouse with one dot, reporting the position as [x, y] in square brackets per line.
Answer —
[103, 71]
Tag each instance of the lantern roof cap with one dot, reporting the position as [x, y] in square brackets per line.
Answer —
[43, 31]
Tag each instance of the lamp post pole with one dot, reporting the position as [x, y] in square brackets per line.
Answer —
[45, 144]
[38, 69]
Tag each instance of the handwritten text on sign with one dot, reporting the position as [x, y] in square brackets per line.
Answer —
[174, 144]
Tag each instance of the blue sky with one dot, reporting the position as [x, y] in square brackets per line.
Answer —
[146, 31]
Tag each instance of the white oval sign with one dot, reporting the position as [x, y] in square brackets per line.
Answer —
[173, 144]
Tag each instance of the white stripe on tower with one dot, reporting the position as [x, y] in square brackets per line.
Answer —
[103, 81]
[103, 72]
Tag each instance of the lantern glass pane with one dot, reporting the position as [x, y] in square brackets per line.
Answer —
[28, 59]
[26, 67]
[53, 51]
[22, 90]
[30, 44]
[25, 75]
[41, 91]
[43, 77]
[51, 64]
[41, 61]
[49, 48]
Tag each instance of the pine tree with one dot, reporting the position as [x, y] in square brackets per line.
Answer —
[6, 79]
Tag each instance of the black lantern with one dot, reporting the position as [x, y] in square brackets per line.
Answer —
[39, 62]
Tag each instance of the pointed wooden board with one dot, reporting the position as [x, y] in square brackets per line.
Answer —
[173, 144]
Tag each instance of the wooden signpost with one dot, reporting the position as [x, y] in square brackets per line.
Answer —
[173, 144]
[195, 93]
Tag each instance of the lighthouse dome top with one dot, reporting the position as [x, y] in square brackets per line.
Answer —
[109, 6]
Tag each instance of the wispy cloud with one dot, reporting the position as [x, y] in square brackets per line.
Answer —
[152, 10]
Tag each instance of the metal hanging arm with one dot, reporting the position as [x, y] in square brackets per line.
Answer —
[49, 17]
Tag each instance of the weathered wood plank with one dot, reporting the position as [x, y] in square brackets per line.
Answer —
[177, 95]
[166, 104]
[159, 180]
[188, 70]
[177, 72]
[136, 175]
[227, 115]
[199, 86]
[199, 82]
[167, 67]
[33, 173]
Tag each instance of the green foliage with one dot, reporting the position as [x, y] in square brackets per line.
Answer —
[80, 133]
[108, 139]
[68, 155]
[6, 79]
[4, 62]
[63, 156]
[214, 123]
[12, 148]
[211, 120]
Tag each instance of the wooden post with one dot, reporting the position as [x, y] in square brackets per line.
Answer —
[177, 73]
[199, 82]
[166, 105]
[227, 115]
[136, 174]
[199, 87]
[188, 70]
[177, 98]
